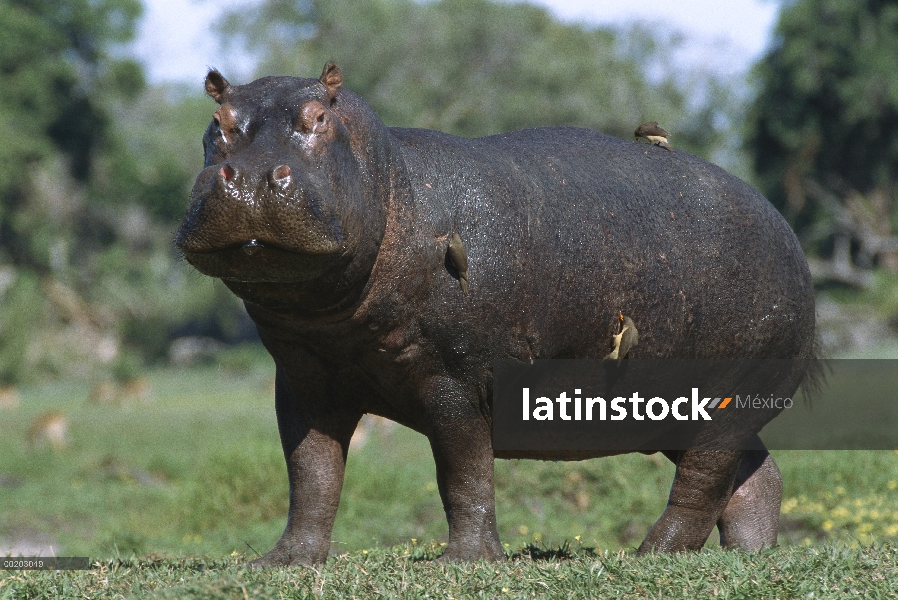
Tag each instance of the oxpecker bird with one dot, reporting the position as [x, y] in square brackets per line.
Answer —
[459, 259]
[653, 133]
[625, 340]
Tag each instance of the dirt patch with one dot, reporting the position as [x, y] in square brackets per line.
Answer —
[28, 543]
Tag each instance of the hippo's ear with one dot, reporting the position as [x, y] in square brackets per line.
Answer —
[331, 78]
[217, 86]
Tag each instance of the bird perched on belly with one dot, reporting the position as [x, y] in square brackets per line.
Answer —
[459, 259]
[653, 134]
[625, 340]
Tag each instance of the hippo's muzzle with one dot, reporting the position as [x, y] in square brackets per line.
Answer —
[254, 225]
[254, 261]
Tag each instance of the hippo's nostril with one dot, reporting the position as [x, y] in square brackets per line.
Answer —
[279, 176]
[227, 172]
[251, 247]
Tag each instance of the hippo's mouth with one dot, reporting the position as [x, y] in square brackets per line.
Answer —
[255, 261]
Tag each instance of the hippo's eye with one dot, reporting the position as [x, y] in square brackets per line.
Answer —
[226, 123]
[313, 118]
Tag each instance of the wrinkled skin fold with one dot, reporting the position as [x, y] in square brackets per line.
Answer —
[334, 230]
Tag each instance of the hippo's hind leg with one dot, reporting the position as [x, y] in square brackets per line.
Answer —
[700, 492]
[751, 518]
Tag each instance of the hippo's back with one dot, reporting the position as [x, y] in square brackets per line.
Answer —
[565, 227]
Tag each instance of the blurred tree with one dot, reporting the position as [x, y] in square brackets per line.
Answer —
[93, 181]
[474, 67]
[55, 77]
[823, 130]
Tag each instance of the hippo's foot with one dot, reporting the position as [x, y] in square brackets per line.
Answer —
[486, 550]
[463, 452]
[749, 520]
[702, 487]
[679, 529]
[283, 556]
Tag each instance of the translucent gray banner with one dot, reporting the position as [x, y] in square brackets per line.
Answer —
[577, 408]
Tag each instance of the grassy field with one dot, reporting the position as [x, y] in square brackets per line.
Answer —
[174, 491]
[404, 571]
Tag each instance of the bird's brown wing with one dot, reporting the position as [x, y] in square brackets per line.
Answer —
[647, 129]
[458, 256]
[457, 253]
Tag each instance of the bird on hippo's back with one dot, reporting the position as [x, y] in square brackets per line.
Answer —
[654, 134]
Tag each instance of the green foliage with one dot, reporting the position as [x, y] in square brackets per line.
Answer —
[56, 74]
[95, 172]
[20, 314]
[827, 105]
[473, 67]
[160, 134]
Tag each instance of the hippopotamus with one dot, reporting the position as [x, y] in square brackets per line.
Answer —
[335, 231]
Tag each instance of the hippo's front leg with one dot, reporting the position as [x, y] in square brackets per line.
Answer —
[315, 439]
[463, 451]
[701, 489]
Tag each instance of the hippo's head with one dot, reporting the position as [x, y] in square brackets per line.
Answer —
[289, 197]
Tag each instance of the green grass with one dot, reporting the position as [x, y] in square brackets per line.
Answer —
[174, 493]
[405, 571]
[198, 468]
